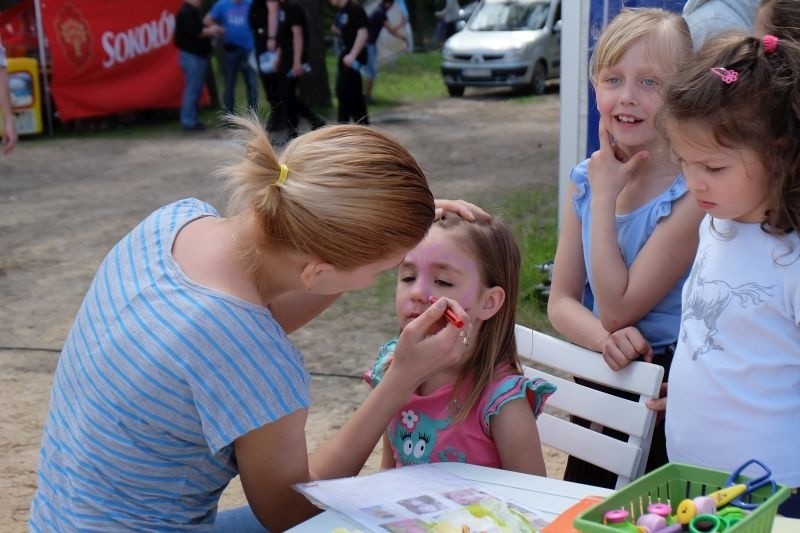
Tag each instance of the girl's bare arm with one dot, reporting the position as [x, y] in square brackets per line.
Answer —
[517, 438]
[565, 309]
[625, 295]
[387, 456]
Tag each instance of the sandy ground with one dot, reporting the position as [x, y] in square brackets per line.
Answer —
[64, 203]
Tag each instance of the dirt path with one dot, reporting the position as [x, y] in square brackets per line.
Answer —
[64, 203]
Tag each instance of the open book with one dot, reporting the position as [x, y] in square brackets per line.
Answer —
[416, 499]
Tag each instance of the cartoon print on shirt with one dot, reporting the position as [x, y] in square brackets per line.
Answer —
[451, 455]
[708, 299]
[414, 437]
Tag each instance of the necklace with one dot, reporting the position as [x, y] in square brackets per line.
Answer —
[243, 251]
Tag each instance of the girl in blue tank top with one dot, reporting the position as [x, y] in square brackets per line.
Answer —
[629, 230]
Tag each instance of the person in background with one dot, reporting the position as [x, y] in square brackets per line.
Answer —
[263, 20]
[447, 17]
[483, 410]
[732, 117]
[376, 22]
[9, 128]
[350, 24]
[232, 15]
[707, 18]
[292, 64]
[281, 28]
[193, 40]
[178, 373]
[629, 228]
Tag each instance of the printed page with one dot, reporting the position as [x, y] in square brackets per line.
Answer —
[412, 499]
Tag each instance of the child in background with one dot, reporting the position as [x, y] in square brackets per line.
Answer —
[731, 117]
[350, 24]
[629, 229]
[377, 21]
[482, 411]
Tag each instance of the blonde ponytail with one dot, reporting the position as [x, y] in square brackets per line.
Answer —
[351, 194]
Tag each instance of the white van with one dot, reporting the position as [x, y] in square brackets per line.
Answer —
[506, 43]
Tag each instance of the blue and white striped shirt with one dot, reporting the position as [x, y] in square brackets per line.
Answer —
[157, 378]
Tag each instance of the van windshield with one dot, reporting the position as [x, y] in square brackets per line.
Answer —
[510, 16]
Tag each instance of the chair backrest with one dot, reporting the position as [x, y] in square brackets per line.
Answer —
[628, 458]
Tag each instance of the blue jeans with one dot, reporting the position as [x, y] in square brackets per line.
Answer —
[238, 520]
[194, 74]
[370, 70]
[233, 61]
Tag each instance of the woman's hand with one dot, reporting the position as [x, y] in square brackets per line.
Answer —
[430, 343]
[625, 345]
[610, 168]
[426, 345]
[462, 208]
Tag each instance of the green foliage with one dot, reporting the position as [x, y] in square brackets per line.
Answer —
[410, 78]
[532, 213]
[421, 15]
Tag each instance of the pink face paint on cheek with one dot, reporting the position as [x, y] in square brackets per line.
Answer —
[447, 253]
[449, 314]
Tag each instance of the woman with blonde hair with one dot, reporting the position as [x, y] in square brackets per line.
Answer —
[178, 374]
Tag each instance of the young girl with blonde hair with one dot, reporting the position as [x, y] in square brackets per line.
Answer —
[178, 374]
[629, 229]
[481, 411]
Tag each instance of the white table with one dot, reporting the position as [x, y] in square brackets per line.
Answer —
[547, 496]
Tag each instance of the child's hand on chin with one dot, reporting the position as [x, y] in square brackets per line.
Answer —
[610, 167]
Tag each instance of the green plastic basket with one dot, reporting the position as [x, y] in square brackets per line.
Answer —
[675, 482]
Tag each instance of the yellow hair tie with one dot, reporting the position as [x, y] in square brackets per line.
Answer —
[284, 173]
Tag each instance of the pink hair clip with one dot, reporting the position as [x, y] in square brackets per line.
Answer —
[727, 76]
[770, 43]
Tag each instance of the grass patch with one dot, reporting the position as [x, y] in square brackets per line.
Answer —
[532, 213]
[410, 78]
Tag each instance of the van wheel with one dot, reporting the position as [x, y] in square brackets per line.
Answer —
[455, 90]
[539, 79]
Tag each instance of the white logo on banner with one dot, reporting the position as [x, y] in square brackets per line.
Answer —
[120, 47]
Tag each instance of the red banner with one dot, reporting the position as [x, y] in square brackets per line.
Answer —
[18, 29]
[112, 56]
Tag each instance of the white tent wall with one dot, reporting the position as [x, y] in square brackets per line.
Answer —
[573, 91]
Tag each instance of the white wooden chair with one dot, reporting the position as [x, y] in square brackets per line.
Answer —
[626, 459]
